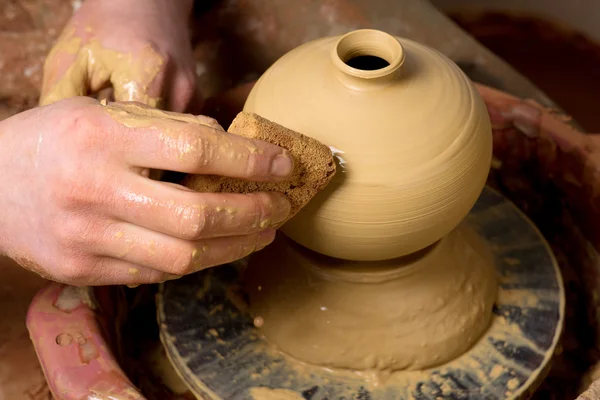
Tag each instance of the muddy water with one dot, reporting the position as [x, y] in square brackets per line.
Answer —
[563, 63]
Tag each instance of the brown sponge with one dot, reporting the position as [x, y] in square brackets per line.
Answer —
[313, 163]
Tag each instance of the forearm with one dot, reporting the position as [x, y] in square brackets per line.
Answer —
[180, 8]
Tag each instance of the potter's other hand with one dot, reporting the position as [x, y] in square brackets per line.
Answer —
[140, 48]
[77, 205]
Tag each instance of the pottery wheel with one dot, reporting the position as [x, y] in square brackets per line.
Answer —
[216, 349]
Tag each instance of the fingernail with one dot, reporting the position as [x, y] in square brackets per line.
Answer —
[265, 238]
[282, 209]
[282, 165]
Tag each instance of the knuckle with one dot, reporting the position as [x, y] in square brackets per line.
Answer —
[193, 222]
[260, 202]
[186, 259]
[83, 122]
[253, 164]
[258, 160]
[206, 150]
[203, 149]
[75, 232]
[64, 232]
[74, 270]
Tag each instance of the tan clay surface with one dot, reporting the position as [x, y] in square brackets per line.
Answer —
[412, 140]
[413, 143]
[410, 313]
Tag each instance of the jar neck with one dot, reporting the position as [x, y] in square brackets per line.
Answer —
[367, 57]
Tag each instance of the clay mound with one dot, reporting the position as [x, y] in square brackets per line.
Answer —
[314, 166]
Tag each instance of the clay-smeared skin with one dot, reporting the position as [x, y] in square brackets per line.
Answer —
[79, 207]
[140, 48]
[107, 66]
[414, 148]
[410, 313]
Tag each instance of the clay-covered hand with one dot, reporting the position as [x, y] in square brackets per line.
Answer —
[139, 47]
[77, 205]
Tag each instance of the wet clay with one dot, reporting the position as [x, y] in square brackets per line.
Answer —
[95, 66]
[405, 314]
[412, 142]
[262, 393]
[140, 116]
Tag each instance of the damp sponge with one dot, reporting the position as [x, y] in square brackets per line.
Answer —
[314, 166]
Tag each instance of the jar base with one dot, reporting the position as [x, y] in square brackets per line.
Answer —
[410, 313]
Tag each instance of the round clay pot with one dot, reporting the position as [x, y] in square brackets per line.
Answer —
[410, 133]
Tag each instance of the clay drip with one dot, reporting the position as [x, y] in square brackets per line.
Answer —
[411, 313]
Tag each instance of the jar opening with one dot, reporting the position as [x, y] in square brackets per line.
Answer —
[368, 53]
[367, 63]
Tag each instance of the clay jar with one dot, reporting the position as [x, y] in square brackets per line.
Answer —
[379, 273]
[410, 133]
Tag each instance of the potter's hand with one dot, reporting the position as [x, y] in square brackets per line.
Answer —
[77, 206]
[139, 47]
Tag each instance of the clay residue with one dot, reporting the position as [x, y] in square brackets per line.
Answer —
[87, 349]
[32, 266]
[421, 313]
[95, 66]
[72, 297]
[139, 116]
[263, 393]
[175, 131]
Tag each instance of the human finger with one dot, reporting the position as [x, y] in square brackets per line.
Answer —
[186, 214]
[181, 91]
[142, 80]
[156, 251]
[115, 271]
[186, 143]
